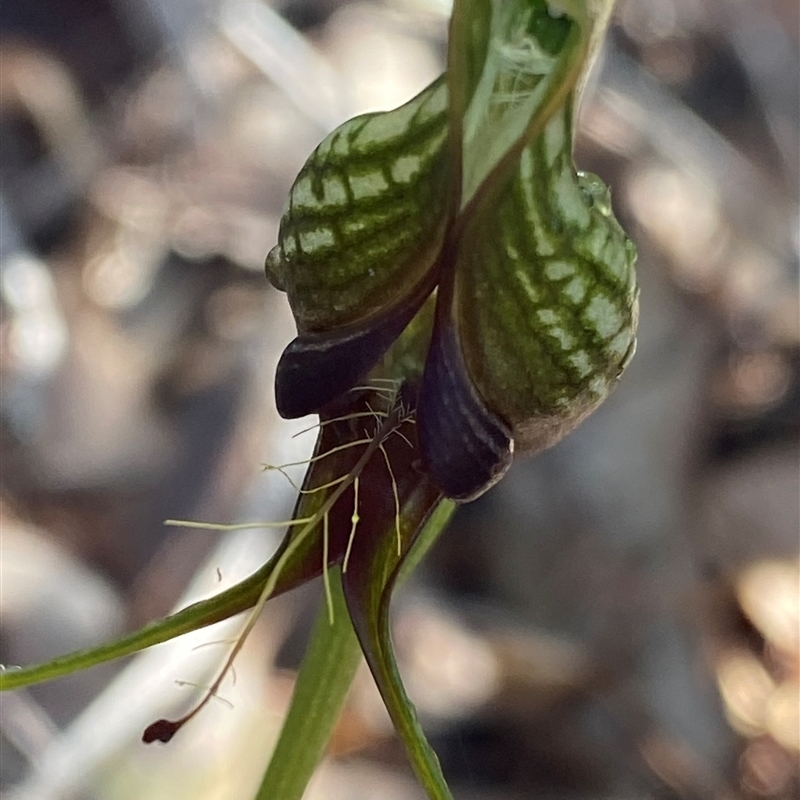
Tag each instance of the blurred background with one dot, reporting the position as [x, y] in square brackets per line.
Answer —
[617, 619]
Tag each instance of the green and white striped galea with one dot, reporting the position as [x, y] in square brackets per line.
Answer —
[462, 211]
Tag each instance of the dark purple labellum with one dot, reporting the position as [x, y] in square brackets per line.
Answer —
[319, 367]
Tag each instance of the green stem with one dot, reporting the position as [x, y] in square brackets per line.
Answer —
[325, 676]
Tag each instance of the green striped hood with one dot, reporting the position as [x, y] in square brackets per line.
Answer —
[460, 219]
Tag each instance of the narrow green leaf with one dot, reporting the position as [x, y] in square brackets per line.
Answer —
[304, 564]
[368, 583]
[368, 599]
[431, 531]
[198, 615]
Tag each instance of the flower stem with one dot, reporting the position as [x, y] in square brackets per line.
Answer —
[325, 676]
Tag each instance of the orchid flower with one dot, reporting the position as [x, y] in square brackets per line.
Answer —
[462, 295]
